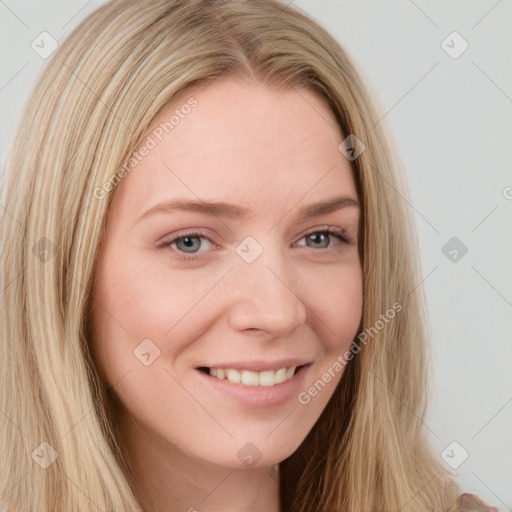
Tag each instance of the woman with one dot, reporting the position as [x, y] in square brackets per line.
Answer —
[211, 289]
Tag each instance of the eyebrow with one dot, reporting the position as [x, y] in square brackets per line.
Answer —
[222, 209]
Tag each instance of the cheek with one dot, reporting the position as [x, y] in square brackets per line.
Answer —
[136, 301]
[338, 313]
[337, 305]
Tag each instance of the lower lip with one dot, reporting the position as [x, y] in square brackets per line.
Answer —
[259, 397]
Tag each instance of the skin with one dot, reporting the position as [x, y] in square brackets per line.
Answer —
[273, 151]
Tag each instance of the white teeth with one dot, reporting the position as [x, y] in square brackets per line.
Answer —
[267, 378]
[250, 378]
[233, 375]
[281, 375]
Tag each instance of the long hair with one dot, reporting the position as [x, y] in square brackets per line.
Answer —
[89, 110]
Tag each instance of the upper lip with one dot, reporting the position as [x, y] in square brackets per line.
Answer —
[257, 365]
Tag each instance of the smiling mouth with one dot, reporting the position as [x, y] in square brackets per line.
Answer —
[251, 378]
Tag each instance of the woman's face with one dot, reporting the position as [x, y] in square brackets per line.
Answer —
[216, 260]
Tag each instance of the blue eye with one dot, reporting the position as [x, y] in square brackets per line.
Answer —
[188, 245]
[319, 237]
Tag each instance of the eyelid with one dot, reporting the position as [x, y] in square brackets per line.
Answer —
[333, 230]
[192, 233]
[199, 233]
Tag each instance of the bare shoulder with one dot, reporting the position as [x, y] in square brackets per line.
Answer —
[470, 503]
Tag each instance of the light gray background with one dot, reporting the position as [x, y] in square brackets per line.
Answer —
[452, 122]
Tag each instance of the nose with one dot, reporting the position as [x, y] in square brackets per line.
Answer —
[265, 297]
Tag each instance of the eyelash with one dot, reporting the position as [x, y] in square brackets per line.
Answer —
[337, 233]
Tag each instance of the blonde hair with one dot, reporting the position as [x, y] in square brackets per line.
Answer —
[89, 110]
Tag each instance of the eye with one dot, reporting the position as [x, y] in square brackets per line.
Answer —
[187, 245]
[321, 239]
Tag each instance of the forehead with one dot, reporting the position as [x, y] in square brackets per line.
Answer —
[261, 145]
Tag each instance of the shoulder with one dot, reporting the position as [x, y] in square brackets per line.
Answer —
[470, 503]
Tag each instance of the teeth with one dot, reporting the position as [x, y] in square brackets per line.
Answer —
[250, 378]
[233, 375]
[281, 375]
[267, 378]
